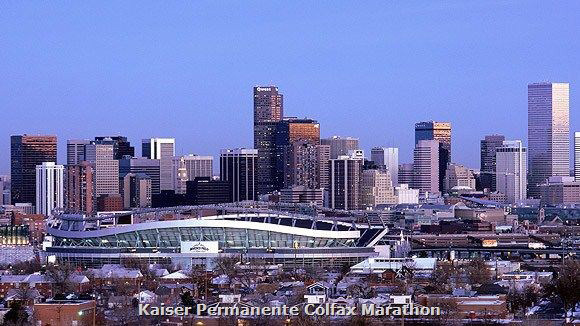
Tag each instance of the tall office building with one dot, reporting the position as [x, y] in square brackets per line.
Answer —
[79, 198]
[441, 132]
[388, 158]
[377, 188]
[105, 167]
[340, 145]
[345, 182]
[301, 166]
[78, 189]
[187, 168]
[121, 146]
[143, 165]
[548, 133]
[288, 132]
[49, 188]
[511, 169]
[426, 166]
[323, 158]
[577, 156]
[487, 171]
[268, 111]
[406, 174]
[162, 149]
[26, 152]
[135, 190]
[238, 166]
[75, 150]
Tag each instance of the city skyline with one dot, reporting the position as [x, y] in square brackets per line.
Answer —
[50, 91]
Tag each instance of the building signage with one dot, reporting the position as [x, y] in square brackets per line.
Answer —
[199, 247]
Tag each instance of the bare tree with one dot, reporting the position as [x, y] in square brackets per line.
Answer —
[478, 272]
[61, 277]
[566, 286]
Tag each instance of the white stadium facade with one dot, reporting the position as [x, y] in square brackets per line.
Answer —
[199, 234]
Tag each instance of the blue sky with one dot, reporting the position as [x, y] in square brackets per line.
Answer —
[185, 69]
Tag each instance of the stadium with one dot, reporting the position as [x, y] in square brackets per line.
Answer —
[198, 234]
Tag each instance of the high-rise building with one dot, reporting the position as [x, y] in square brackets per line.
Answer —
[135, 190]
[426, 166]
[388, 158]
[187, 168]
[459, 176]
[238, 166]
[162, 149]
[511, 170]
[288, 132]
[340, 145]
[406, 174]
[26, 152]
[548, 133]
[75, 150]
[577, 156]
[142, 165]
[79, 198]
[441, 132]
[377, 188]
[345, 182]
[268, 111]
[105, 168]
[49, 187]
[301, 165]
[487, 171]
[121, 146]
[323, 158]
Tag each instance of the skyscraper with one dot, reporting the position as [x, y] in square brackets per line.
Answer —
[340, 145]
[577, 156]
[345, 182]
[301, 165]
[49, 187]
[26, 152]
[511, 170]
[388, 158]
[323, 158]
[121, 146]
[136, 190]
[162, 149]
[75, 150]
[105, 167]
[488, 146]
[268, 111]
[238, 166]
[440, 131]
[548, 133]
[79, 198]
[426, 166]
[288, 132]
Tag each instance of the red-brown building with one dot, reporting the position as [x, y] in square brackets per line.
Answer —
[65, 312]
[110, 203]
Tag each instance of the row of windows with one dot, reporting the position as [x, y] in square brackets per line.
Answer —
[227, 238]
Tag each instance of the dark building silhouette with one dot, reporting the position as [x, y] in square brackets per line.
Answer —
[487, 174]
[205, 191]
[26, 152]
[238, 167]
[268, 111]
